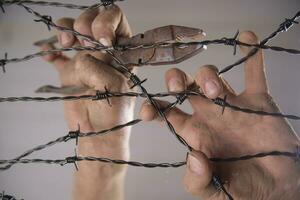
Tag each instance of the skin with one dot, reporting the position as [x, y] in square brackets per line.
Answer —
[212, 134]
[92, 70]
[207, 131]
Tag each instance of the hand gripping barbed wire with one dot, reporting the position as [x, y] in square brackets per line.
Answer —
[47, 20]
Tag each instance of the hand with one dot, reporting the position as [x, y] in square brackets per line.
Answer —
[233, 134]
[92, 70]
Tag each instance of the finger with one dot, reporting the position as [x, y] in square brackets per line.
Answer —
[109, 23]
[255, 76]
[83, 24]
[198, 177]
[66, 39]
[57, 59]
[209, 81]
[175, 116]
[95, 73]
[228, 87]
[177, 80]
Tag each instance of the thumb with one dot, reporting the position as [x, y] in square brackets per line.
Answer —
[198, 177]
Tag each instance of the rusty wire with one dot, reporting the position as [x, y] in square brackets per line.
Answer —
[47, 20]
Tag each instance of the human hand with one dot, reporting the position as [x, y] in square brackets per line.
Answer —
[212, 134]
[92, 70]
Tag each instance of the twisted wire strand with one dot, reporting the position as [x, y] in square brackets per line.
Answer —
[70, 136]
[121, 67]
[50, 24]
[104, 95]
[137, 82]
[94, 159]
[223, 41]
[53, 4]
[4, 196]
[283, 27]
[74, 159]
[44, 3]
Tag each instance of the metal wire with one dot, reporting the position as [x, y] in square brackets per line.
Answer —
[52, 4]
[224, 41]
[283, 27]
[137, 82]
[181, 96]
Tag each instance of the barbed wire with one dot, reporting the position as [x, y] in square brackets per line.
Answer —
[53, 4]
[283, 27]
[137, 82]
[4, 196]
[224, 41]
[106, 95]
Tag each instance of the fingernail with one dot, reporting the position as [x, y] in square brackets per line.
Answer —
[194, 165]
[66, 38]
[211, 88]
[105, 42]
[175, 85]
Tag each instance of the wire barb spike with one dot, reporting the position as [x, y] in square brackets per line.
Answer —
[47, 20]
[2, 6]
[3, 63]
[74, 134]
[287, 24]
[232, 41]
[136, 80]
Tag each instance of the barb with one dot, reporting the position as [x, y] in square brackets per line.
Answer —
[216, 180]
[4, 196]
[282, 27]
[75, 158]
[1, 6]
[224, 41]
[54, 4]
[232, 41]
[3, 63]
[137, 82]
[70, 136]
[180, 96]
[51, 24]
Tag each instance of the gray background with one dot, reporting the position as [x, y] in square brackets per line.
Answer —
[24, 125]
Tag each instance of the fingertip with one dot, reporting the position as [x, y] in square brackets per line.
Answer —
[198, 173]
[175, 80]
[248, 37]
[209, 81]
[198, 164]
[65, 39]
[147, 112]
